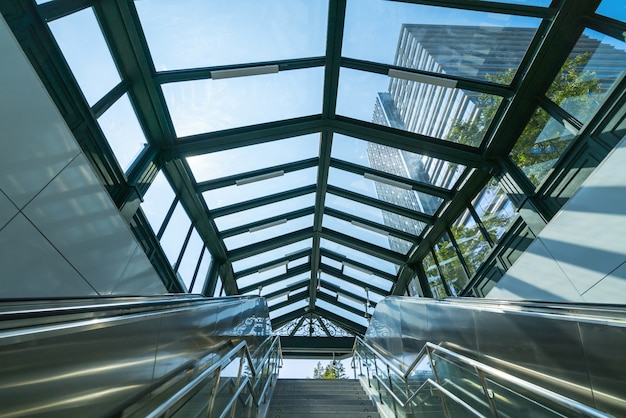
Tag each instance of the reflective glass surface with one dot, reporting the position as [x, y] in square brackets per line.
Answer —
[200, 279]
[395, 161]
[233, 32]
[212, 105]
[472, 244]
[157, 201]
[121, 128]
[87, 53]
[190, 259]
[240, 193]
[443, 40]
[451, 267]
[540, 145]
[441, 112]
[253, 157]
[175, 233]
[495, 210]
[433, 277]
[595, 64]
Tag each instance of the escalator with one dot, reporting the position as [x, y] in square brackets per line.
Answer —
[468, 357]
[177, 355]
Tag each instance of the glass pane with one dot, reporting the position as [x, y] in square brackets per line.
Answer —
[361, 320]
[231, 195]
[399, 222]
[450, 265]
[249, 238]
[175, 233]
[433, 277]
[391, 160]
[540, 3]
[270, 255]
[256, 277]
[87, 53]
[289, 308]
[615, 9]
[495, 210]
[595, 64]
[157, 201]
[198, 285]
[234, 32]
[332, 263]
[327, 279]
[540, 145]
[444, 40]
[123, 132]
[253, 157]
[212, 105]
[472, 244]
[303, 279]
[409, 199]
[363, 233]
[441, 112]
[360, 257]
[190, 259]
[263, 212]
[512, 404]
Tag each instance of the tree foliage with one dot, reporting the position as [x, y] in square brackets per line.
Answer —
[333, 370]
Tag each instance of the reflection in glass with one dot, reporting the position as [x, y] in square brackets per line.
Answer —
[211, 105]
[399, 196]
[472, 244]
[253, 157]
[433, 277]
[157, 201]
[440, 112]
[175, 233]
[540, 145]
[595, 64]
[81, 40]
[263, 212]
[451, 267]
[199, 33]
[396, 161]
[495, 210]
[123, 132]
[437, 39]
[198, 285]
[249, 238]
[231, 195]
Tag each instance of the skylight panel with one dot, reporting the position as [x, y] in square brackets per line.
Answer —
[231, 195]
[190, 258]
[253, 157]
[288, 309]
[594, 66]
[201, 106]
[360, 257]
[450, 114]
[205, 264]
[157, 201]
[81, 40]
[396, 161]
[614, 9]
[268, 256]
[198, 33]
[442, 40]
[352, 317]
[123, 132]
[175, 233]
[278, 229]
[386, 192]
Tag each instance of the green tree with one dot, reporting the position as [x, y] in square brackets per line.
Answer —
[333, 370]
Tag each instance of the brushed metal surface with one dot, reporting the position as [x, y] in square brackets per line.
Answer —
[90, 365]
[573, 350]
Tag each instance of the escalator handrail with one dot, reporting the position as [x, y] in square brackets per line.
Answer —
[211, 370]
[429, 348]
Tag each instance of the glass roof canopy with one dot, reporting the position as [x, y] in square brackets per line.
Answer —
[327, 153]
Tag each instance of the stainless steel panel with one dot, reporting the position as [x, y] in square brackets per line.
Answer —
[604, 348]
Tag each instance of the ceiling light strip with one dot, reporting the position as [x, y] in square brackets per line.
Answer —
[244, 72]
[267, 225]
[388, 181]
[422, 78]
[260, 177]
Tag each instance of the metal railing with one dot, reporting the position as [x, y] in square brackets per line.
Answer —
[236, 385]
[443, 383]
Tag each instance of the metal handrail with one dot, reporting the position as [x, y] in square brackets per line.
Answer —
[429, 348]
[217, 367]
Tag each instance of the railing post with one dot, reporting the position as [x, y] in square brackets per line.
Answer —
[434, 369]
[218, 373]
[487, 392]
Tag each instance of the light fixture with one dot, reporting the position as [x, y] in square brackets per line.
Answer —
[267, 225]
[387, 181]
[244, 72]
[260, 177]
[369, 228]
[361, 269]
[273, 266]
[422, 78]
